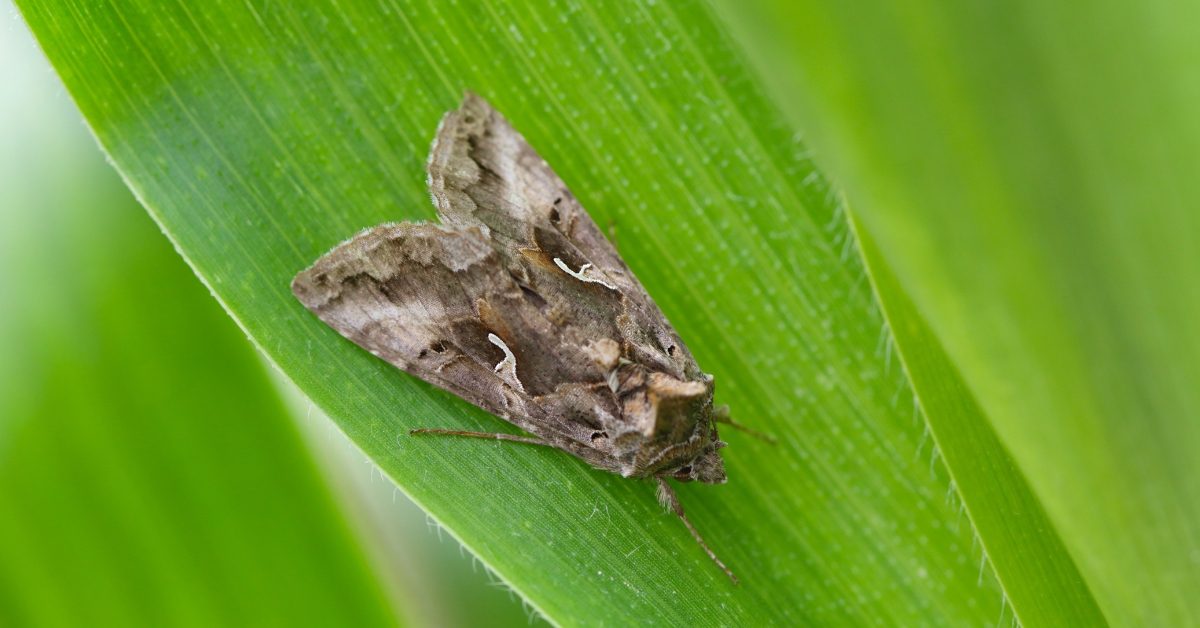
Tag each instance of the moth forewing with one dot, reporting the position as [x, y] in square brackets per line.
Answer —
[517, 303]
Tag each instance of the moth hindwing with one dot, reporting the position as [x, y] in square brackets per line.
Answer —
[516, 302]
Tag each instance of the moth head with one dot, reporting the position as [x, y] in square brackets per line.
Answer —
[707, 467]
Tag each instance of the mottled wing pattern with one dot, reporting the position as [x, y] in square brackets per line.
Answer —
[517, 303]
[407, 293]
[429, 299]
[482, 171]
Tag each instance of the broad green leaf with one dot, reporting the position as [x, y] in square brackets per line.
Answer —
[1027, 169]
[1038, 577]
[439, 584]
[261, 135]
[148, 475]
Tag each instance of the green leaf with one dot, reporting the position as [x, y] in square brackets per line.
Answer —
[260, 136]
[1039, 579]
[148, 475]
[1027, 169]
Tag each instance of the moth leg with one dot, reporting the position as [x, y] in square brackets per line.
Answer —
[721, 415]
[497, 436]
[668, 498]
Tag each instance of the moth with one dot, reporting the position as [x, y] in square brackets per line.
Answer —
[516, 302]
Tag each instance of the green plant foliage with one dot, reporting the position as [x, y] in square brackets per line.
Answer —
[261, 135]
[1027, 168]
[1039, 579]
[148, 475]
[438, 583]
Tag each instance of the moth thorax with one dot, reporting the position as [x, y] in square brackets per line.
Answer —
[663, 408]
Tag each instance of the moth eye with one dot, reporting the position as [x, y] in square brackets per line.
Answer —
[684, 470]
[598, 436]
[671, 350]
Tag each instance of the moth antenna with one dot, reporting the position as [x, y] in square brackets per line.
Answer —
[721, 415]
[489, 435]
[668, 498]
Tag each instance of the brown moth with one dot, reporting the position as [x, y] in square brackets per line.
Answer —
[516, 302]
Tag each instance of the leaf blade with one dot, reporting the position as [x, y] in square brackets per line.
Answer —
[259, 139]
[1020, 170]
[148, 474]
[1040, 579]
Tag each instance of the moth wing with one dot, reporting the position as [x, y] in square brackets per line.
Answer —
[483, 172]
[440, 303]
[409, 294]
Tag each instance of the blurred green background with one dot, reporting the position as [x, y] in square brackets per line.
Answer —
[1010, 186]
[153, 471]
